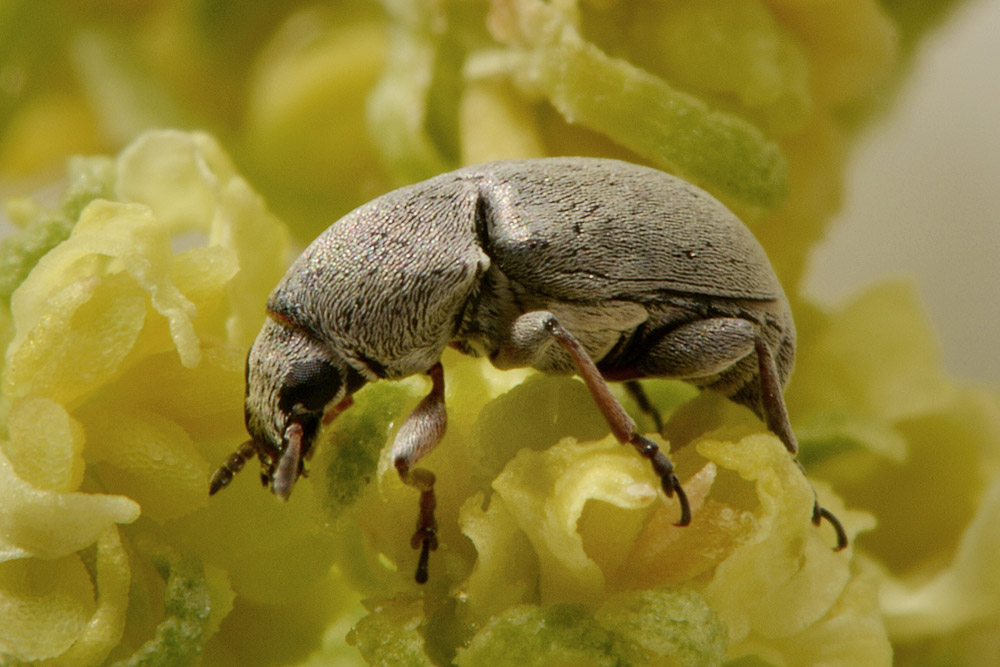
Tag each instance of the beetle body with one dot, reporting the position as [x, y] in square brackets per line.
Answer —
[607, 269]
[621, 254]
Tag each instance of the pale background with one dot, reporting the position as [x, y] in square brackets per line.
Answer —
[922, 196]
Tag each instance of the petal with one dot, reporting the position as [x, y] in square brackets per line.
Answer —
[46, 444]
[104, 628]
[546, 493]
[159, 165]
[44, 606]
[786, 575]
[80, 342]
[506, 570]
[147, 457]
[48, 524]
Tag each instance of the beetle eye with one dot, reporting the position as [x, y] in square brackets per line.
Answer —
[311, 384]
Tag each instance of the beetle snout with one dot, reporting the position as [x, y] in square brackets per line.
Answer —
[289, 465]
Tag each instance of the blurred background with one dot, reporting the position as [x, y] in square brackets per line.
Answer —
[324, 104]
[920, 197]
[922, 194]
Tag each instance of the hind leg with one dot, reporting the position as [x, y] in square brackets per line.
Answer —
[705, 348]
[776, 415]
[530, 337]
[697, 349]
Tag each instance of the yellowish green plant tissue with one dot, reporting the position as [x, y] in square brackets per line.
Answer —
[218, 140]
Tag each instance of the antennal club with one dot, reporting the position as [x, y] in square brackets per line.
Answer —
[224, 475]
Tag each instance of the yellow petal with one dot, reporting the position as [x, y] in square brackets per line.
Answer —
[110, 238]
[245, 226]
[876, 356]
[546, 493]
[203, 275]
[79, 343]
[147, 457]
[176, 174]
[44, 606]
[205, 401]
[49, 524]
[46, 444]
[732, 50]
[506, 570]
[496, 124]
[962, 594]
[851, 44]
[104, 628]
[851, 633]
[786, 575]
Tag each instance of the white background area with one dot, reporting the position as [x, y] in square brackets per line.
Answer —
[922, 195]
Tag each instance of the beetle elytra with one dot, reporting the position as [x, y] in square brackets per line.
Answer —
[610, 270]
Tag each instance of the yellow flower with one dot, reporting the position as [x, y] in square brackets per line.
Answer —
[133, 301]
[122, 365]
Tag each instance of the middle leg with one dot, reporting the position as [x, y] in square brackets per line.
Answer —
[638, 394]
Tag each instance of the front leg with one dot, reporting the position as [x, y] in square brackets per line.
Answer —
[418, 435]
[529, 338]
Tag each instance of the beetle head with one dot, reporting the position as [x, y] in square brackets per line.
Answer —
[292, 381]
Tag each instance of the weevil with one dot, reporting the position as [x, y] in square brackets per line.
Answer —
[602, 268]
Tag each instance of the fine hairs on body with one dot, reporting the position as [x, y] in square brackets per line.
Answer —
[602, 268]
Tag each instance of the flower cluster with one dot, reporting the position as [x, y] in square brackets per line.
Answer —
[129, 305]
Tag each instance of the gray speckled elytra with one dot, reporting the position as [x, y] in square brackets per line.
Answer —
[598, 267]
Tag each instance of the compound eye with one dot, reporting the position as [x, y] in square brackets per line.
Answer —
[311, 384]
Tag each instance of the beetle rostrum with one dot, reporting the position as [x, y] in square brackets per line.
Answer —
[605, 269]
